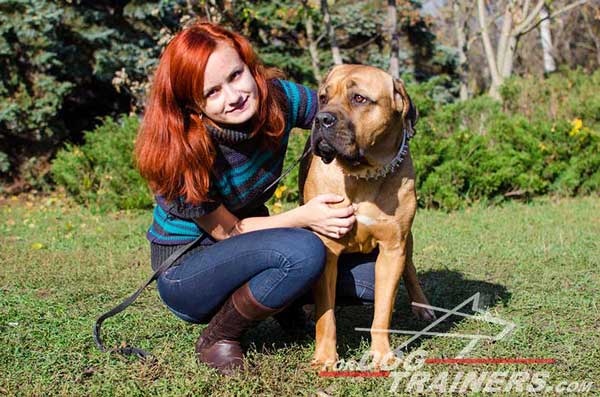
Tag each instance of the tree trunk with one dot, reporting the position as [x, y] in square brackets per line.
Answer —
[593, 36]
[518, 19]
[461, 26]
[508, 60]
[505, 32]
[489, 51]
[312, 44]
[335, 50]
[547, 46]
[392, 21]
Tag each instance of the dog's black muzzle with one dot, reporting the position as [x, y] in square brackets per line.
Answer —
[330, 139]
[324, 126]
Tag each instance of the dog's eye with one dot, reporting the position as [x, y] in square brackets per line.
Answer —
[322, 99]
[357, 98]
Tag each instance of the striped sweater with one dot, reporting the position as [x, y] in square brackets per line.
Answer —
[242, 170]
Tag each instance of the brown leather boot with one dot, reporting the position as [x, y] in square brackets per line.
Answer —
[218, 346]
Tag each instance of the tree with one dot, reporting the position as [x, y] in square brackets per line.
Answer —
[576, 37]
[461, 11]
[593, 29]
[335, 50]
[518, 18]
[392, 21]
[312, 42]
[546, 39]
[31, 92]
[59, 61]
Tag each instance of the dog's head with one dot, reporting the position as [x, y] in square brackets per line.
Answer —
[362, 113]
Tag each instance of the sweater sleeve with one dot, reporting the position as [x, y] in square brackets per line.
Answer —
[302, 104]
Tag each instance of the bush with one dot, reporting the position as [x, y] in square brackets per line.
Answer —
[484, 150]
[63, 64]
[568, 95]
[101, 173]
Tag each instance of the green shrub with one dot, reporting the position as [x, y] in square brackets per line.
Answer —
[101, 173]
[483, 150]
[567, 95]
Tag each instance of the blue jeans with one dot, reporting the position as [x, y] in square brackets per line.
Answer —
[280, 264]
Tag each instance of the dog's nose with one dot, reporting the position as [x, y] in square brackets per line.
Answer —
[326, 119]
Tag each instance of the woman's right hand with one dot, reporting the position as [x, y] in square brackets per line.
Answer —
[327, 220]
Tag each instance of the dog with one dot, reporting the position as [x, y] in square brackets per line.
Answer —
[359, 143]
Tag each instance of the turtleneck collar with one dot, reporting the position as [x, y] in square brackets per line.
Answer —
[228, 135]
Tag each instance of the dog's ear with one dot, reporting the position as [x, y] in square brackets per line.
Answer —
[331, 71]
[405, 105]
[324, 79]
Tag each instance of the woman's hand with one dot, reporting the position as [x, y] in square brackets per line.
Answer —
[320, 214]
[322, 218]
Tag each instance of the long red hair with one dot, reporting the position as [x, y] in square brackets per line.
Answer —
[173, 149]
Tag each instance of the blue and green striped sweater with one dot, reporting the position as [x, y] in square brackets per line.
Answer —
[241, 171]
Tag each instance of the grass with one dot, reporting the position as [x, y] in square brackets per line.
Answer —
[61, 266]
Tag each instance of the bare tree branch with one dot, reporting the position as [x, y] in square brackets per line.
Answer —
[526, 7]
[553, 15]
[477, 32]
[393, 39]
[595, 40]
[312, 45]
[335, 50]
[364, 43]
[529, 18]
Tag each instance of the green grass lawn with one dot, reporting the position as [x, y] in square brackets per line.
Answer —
[61, 266]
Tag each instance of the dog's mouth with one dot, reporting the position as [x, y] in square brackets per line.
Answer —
[328, 152]
[324, 150]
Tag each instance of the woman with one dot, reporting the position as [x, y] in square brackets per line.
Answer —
[214, 136]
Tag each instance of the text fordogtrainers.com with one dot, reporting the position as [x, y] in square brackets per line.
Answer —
[410, 375]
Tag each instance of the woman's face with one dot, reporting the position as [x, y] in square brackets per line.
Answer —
[230, 91]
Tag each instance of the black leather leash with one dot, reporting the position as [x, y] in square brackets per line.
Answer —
[290, 168]
[129, 350]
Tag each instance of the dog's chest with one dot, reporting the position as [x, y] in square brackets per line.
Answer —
[365, 220]
[371, 227]
[362, 238]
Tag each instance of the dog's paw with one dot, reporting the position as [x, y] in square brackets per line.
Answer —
[424, 314]
[383, 359]
[324, 361]
[319, 364]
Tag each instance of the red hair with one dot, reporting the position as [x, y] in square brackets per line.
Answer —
[173, 149]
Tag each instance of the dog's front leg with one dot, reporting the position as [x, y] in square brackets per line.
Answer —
[389, 268]
[415, 292]
[324, 295]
